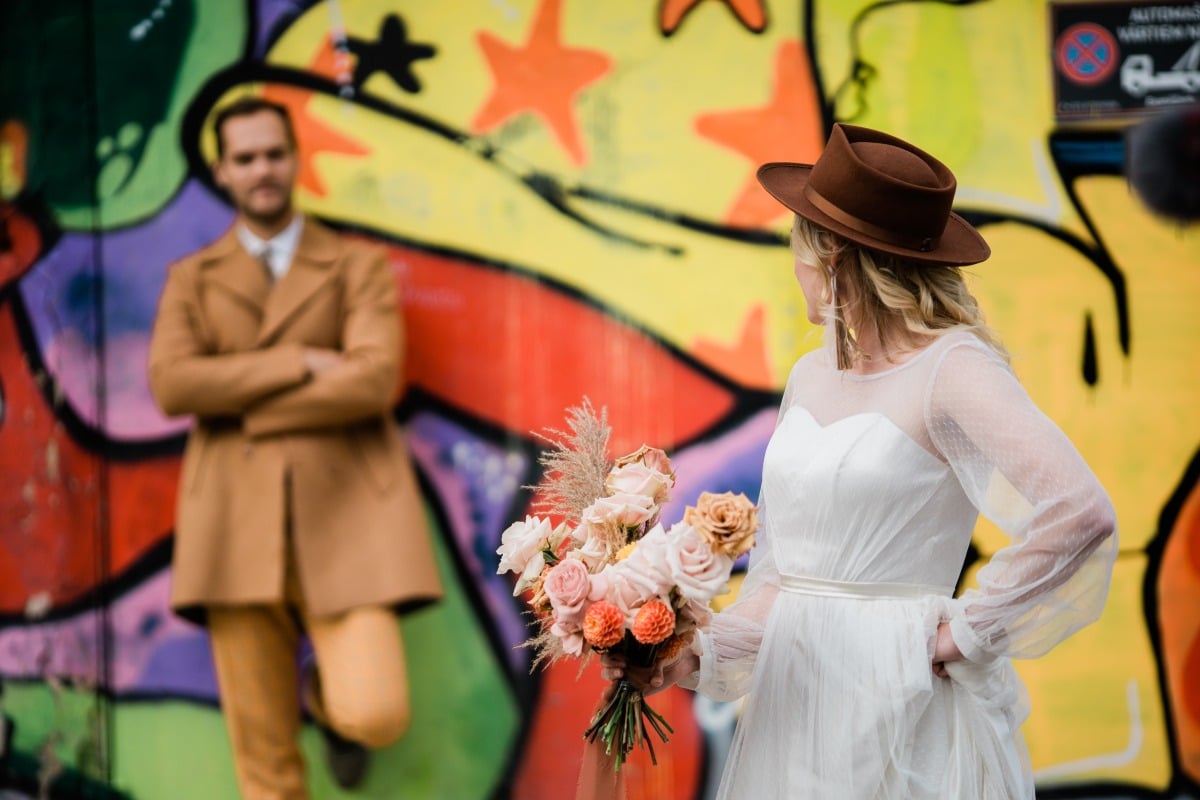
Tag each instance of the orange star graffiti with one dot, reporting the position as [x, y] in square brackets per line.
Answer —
[752, 13]
[745, 360]
[318, 137]
[542, 76]
[787, 128]
[328, 62]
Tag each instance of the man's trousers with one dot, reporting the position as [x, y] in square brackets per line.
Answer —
[359, 688]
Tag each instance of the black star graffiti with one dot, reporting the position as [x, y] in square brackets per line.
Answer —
[392, 53]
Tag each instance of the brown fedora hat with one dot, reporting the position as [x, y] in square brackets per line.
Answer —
[882, 193]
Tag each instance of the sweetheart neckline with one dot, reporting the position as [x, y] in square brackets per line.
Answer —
[868, 414]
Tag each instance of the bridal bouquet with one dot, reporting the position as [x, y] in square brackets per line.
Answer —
[608, 577]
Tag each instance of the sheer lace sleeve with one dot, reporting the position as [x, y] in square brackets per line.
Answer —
[729, 648]
[1022, 473]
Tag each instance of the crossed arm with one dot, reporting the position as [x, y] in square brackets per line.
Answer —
[282, 387]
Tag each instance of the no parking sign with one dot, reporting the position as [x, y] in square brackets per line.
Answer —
[1113, 58]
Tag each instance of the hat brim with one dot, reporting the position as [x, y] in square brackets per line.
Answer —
[960, 244]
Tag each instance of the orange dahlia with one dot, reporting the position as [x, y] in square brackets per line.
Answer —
[603, 625]
[654, 622]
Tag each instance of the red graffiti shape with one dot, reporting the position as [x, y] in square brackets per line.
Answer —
[52, 547]
[513, 351]
[20, 243]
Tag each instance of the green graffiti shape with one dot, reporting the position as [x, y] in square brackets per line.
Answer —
[102, 92]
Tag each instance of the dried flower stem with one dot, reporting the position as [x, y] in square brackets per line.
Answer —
[576, 465]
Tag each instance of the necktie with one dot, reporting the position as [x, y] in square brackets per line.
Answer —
[264, 258]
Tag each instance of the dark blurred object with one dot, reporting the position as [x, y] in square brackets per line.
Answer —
[1162, 163]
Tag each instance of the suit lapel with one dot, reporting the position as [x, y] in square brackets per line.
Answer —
[311, 270]
[238, 273]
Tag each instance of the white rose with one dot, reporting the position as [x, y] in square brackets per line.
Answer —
[521, 547]
[650, 558]
[579, 534]
[531, 572]
[594, 550]
[624, 510]
[698, 572]
[637, 478]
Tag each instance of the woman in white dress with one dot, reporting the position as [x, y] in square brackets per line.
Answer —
[863, 676]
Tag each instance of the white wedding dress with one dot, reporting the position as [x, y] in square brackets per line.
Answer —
[872, 486]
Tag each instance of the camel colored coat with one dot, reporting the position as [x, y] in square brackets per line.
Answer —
[277, 452]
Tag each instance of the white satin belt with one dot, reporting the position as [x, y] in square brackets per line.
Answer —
[860, 591]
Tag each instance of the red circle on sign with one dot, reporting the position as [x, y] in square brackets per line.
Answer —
[1086, 53]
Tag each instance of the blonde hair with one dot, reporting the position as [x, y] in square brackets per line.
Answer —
[894, 295]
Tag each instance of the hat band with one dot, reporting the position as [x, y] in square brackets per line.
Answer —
[924, 244]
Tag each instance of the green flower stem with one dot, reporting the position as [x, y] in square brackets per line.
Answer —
[622, 724]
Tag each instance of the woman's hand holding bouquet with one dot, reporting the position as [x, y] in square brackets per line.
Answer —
[650, 680]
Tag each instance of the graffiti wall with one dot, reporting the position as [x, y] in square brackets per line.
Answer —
[566, 192]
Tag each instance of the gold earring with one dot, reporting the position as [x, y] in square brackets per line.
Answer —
[841, 334]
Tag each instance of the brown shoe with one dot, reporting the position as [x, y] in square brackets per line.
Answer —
[347, 759]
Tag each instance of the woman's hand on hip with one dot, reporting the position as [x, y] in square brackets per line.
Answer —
[944, 650]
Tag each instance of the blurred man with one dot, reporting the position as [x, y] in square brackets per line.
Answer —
[298, 510]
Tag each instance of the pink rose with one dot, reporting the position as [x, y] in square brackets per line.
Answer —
[571, 638]
[567, 585]
[698, 571]
[628, 588]
[573, 644]
[599, 590]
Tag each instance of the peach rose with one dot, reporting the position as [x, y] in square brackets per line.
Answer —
[652, 457]
[728, 521]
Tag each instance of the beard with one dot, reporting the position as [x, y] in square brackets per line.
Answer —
[265, 207]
